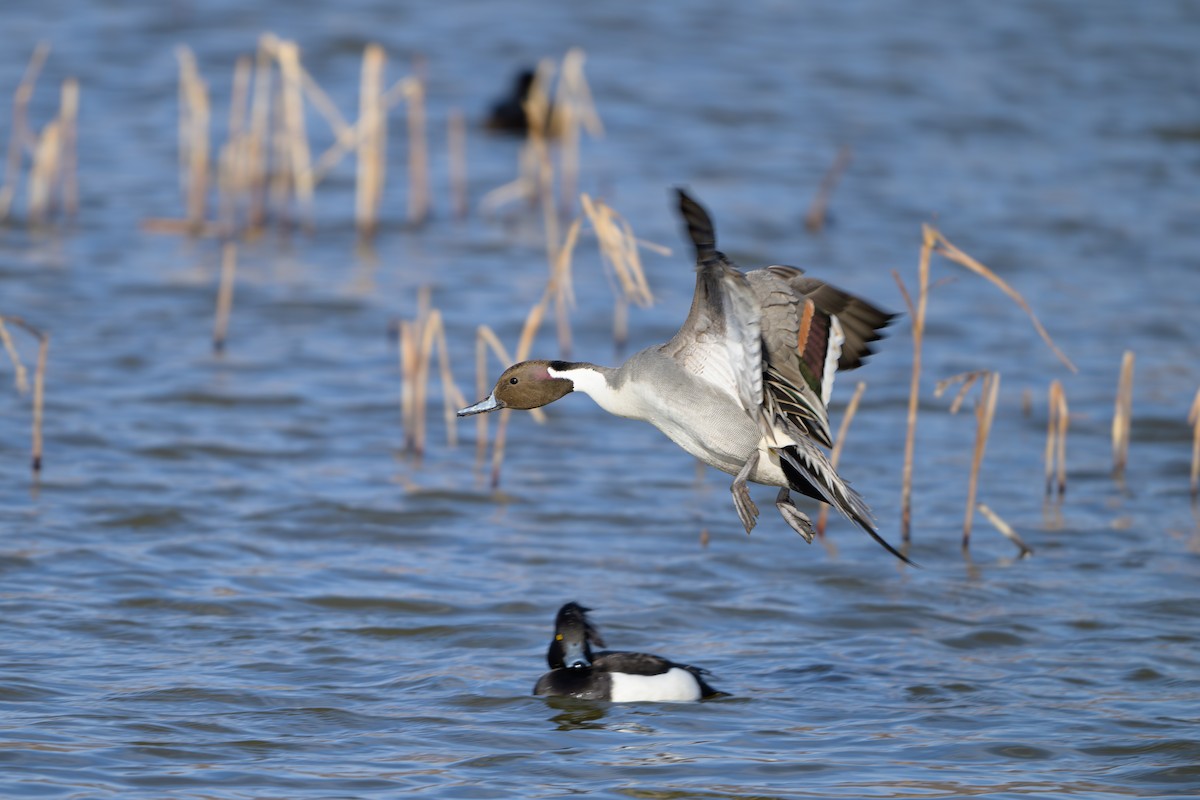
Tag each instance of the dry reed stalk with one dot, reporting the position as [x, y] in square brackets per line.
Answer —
[1064, 422]
[1056, 439]
[456, 144]
[619, 251]
[43, 172]
[295, 144]
[256, 165]
[838, 443]
[224, 296]
[572, 111]
[407, 346]
[947, 250]
[39, 383]
[422, 335]
[20, 136]
[1006, 530]
[1194, 420]
[39, 400]
[348, 137]
[533, 160]
[194, 116]
[372, 158]
[20, 374]
[985, 411]
[532, 322]
[1122, 415]
[418, 156]
[928, 240]
[231, 162]
[69, 115]
[818, 212]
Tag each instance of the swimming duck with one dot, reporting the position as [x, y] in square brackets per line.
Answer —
[508, 113]
[575, 671]
[742, 386]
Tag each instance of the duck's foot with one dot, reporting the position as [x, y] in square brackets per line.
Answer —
[799, 521]
[747, 511]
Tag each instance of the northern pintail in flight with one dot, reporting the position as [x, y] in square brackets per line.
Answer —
[743, 386]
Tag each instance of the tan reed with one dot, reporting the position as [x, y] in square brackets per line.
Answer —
[917, 313]
[20, 136]
[69, 160]
[1025, 551]
[372, 144]
[985, 411]
[43, 172]
[417, 339]
[39, 379]
[194, 116]
[1056, 439]
[818, 211]
[1122, 417]
[224, 296]
[949, 251]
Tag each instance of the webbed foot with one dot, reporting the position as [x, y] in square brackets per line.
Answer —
[747, 511]
[799, 521]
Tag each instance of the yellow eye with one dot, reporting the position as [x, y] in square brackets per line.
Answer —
[558, 637]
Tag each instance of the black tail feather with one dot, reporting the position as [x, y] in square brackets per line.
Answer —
[699, 225]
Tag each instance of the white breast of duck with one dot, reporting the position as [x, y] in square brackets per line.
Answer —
[698, 415]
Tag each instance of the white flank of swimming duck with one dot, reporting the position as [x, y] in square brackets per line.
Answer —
[742, 386]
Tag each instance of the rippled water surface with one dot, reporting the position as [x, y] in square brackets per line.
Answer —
[231, 580]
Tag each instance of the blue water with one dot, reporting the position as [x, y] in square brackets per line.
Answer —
[231, 581]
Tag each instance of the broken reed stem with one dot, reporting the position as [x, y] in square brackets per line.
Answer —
[407, 347]
[20, 135]
[231, 180]
[372, 161]
[838, 443]
[818, 212]
[39, 382]
[619, 252]
[42, 173]
[295, 137]
[256, 145]
[948, 250]
[929, 238]
[224, 296]
[1056, 439]
[39, 401]
[985, 412]
[418, 157]
[532, 322]
[456, 143]
[193, 138]
[1194, 419]
[1006, 530]
[20, 374]
[69, 160]
[1122, 414]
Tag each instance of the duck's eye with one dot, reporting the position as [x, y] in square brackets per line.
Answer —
[513, 381]
[558, 637]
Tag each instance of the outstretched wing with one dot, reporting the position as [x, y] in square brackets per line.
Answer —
[721, 339]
